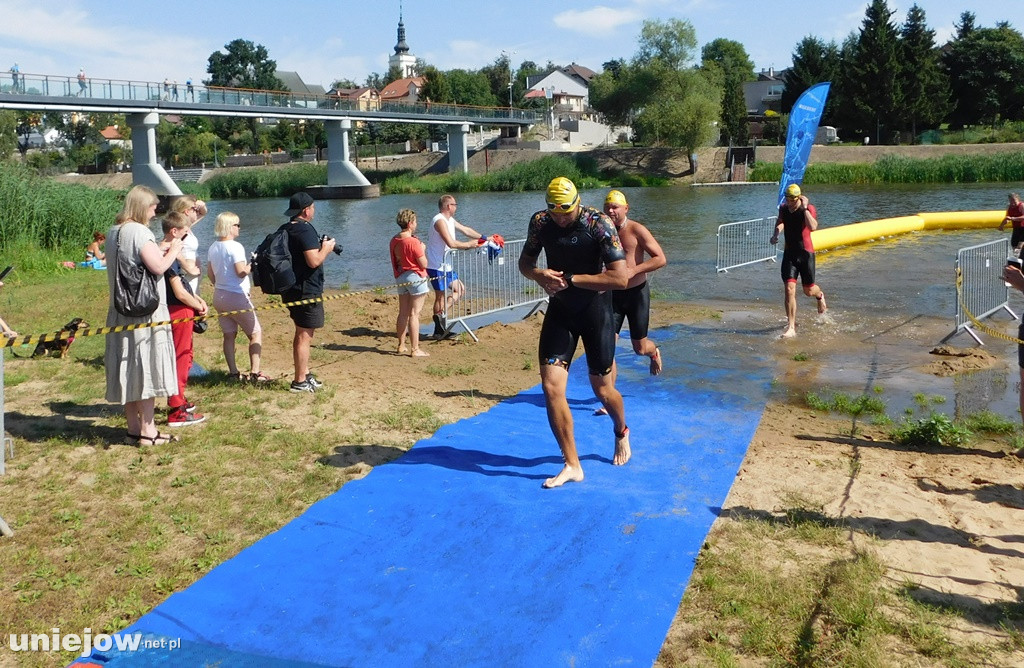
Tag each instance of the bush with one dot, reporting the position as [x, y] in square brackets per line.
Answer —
[933, 431]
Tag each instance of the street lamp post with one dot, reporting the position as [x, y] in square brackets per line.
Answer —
[508, 57]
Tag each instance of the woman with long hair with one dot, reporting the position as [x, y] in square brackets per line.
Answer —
[140, 362]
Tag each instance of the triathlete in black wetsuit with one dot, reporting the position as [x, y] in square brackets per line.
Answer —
[585, 262]
[584, 247]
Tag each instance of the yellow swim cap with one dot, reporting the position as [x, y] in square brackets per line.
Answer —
[616, 197]
[792, 190]
[562, 195]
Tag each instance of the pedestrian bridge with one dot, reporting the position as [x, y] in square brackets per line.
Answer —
[143, 102]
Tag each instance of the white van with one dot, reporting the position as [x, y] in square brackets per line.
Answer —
[826, 135]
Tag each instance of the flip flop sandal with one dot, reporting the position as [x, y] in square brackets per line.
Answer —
[159, 439]
[260, 377]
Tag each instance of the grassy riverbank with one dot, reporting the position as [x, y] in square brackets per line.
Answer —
[1004, 167]
[533, 175]
[44, 221]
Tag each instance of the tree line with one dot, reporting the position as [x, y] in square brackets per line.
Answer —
[890, 81]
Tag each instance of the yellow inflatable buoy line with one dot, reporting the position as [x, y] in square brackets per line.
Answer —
[856, 233]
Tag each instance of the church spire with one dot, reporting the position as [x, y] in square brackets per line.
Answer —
[401, 48]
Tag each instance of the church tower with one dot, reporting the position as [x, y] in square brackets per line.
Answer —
[402, 59]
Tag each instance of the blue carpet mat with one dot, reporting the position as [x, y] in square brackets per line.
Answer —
[453, 555]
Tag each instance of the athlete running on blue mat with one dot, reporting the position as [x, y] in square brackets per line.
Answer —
[577, 242]
[634, 303]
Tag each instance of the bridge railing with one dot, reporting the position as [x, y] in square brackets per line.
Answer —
[174, 92]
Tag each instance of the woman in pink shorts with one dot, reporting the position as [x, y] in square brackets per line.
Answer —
[228, 269]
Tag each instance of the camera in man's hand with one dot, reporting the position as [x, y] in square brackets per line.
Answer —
[337, 246]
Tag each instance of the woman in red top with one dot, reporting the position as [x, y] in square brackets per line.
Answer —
[1015, 216]
[409, 262]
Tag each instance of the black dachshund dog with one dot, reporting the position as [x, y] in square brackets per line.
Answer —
[63, 343]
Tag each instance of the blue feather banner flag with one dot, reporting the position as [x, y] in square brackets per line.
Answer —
[803, 126]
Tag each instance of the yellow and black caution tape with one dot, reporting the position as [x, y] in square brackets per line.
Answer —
[102, 331]
[970, 316]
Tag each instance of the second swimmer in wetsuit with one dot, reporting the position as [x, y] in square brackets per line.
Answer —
[578, 242]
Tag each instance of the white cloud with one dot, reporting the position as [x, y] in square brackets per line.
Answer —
[105, 50]
[597, 20]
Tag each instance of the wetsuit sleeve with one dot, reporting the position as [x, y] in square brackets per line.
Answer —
[608, 238]
[533, 245]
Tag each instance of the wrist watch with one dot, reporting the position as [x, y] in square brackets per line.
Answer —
[567, 277]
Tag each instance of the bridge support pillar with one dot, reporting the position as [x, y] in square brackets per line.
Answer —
[344, 180]
[146, 171]
[458, 159]
[341, 171]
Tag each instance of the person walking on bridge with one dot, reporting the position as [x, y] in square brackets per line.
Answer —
[81, 82]
[15, 78]
[797, 219]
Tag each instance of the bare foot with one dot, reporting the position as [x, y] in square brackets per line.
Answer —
[567, 474]
[656, 362]
[601, 411]
[822, 306]
[622, 451]
[402, 350]
[788, 334]
[419, 353]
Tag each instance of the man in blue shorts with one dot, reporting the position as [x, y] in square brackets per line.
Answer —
[797, 219]
[440, 238]
[585, 262]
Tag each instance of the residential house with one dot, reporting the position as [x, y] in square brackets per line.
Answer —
[763, 96]
[405, 91]
[305, 95]
[361, 99]
[569, 88]
[112, 138]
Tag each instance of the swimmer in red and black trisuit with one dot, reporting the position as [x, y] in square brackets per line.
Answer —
[798, 218]
[577, 241]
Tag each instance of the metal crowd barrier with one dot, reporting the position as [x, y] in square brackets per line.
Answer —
[982, 291]
[495, 290]
[6, 444]
[745, 242]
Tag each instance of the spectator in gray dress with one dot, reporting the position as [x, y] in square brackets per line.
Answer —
[140, 362]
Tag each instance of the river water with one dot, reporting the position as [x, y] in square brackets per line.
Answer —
[888, 300]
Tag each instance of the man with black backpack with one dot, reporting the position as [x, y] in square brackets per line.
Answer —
[308, 252]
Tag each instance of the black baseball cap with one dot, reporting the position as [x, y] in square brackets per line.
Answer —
[297, 203]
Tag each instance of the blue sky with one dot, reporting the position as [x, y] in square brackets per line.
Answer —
[326, 40]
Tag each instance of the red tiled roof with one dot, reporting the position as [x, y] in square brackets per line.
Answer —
[400, 87]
